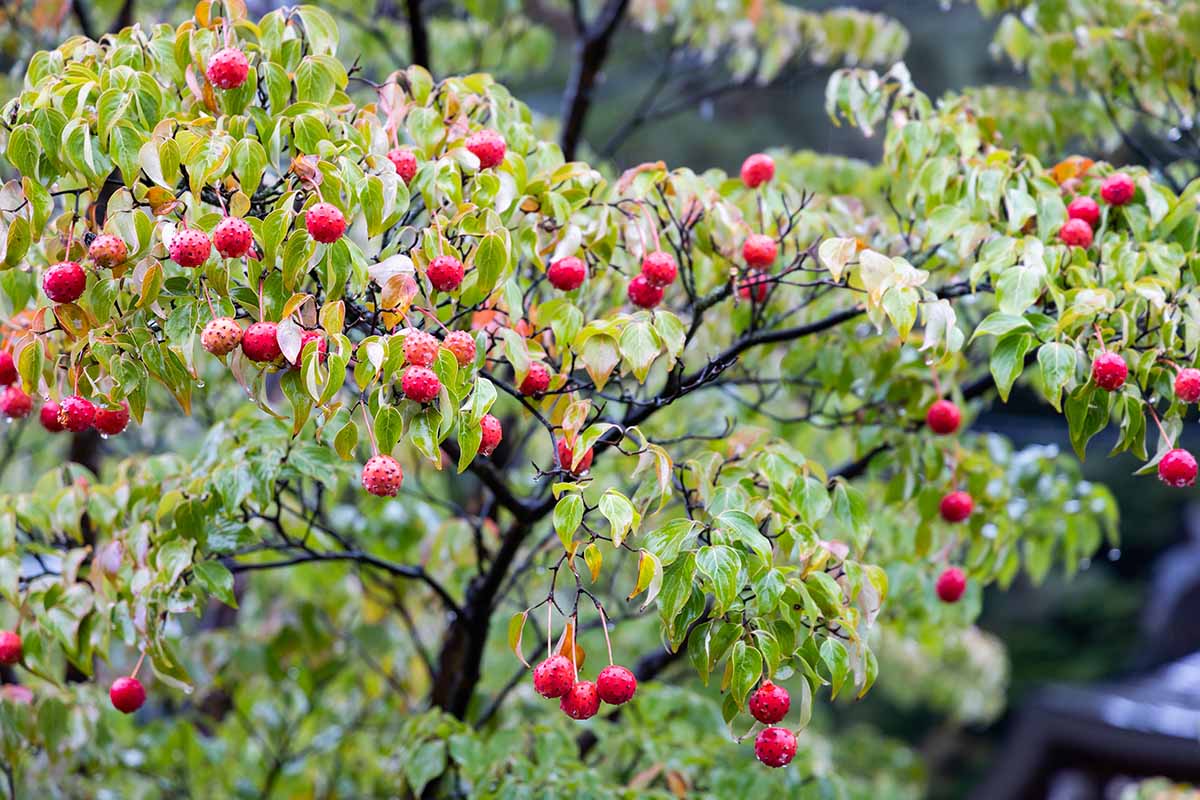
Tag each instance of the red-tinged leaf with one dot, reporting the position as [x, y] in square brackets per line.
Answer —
[516, 627]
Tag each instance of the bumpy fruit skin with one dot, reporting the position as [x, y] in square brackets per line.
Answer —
[943, 417]
[420, 384]
[581, 702]
[554, 677]
[420, 348]
[567, 274]
[48, 416]
[759, 250]
[127, 695]
[490, 435]
[1084, 208]
[537, 380]
[260, 343]
[325, 222]
[64, 282]
[1117, 189]
[221, 336]
[228, 68]
[14, 403]
[566, 456]
[1177, 468]
[951, 584]
[405, 162]
[232, 237]
[189, 247]
[8, 368]
[10, 647]
[757, 170]
[770, 703]
[488, 146]
[616, 685]
[462, 345]
[1076, 233]
[659, 268]
[756, 287]
[956, 506]
[1109, 370]
[107, 250]
[445, 273]
[1187, 385]
[644, 294]
[76, 413]
[112, 421]
[382, 476]
[775, 747]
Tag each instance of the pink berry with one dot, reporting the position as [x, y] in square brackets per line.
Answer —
[775, 747]
[490, 435]
[462, 346]
[759, 250]
[1109, 370]
[127, 695]
[325, 222]
[644, 294]
[956, 506]
[221, 336]
[107, 250]
[770, 703]
[1084, 208]
[64, 282]
[659, 268]
[10, 647]
[537, 380]
[566, 457]
[445, 273]
[189, 247]
[260, 343]
[616, 685]
[382, 476]
[14, 403]
[757, 170]
[405, 162]
[76, 413]
[1177, 468]
[1076, 233]
[8, 368]
[943, 417]
[554, 677]
[112, 421]
[756, 287]
[232, 237]
[420, 348]
[488, 146]
[951, 584]
[48, 416]
[420, 384]
[581, 702]
[1117, 189]
[1187, 385]
[228, 68]
[567, 274]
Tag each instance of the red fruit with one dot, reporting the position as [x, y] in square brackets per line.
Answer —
[111, 421]
[127, 695]
[775, 747]
[943, 417]
[189, 247]
[221, 336]
[758, 283]
[232, 237]
[757, 170]
[759, 250]
[1084, 208]
[462, 345]
[770, 703]
[659, 268]
[537, 380]
[1177, 468]
[321, 345]
[382, 476]
[260, 342]
[420, 349]
[8, 368]
[14, 403]
[10, 647]
[554, 677]
[107, 250]
[1187, 385]
[582, 701]
[445, 273]
[567, 274]
[616, 685]
[325, 222]
[488, 146]
[644, 294]
[405, 162]
[490, 435]
[64, 282]
[420, 384]
[956, 506]
[1076, 233]
[228, 68]
[76, 413]
[1117, 189]
[48, 416]
[566, 458]
[1109, 370]
[951, 584]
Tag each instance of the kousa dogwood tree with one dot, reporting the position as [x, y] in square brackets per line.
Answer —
[412, 426]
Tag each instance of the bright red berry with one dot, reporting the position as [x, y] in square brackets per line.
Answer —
[1109, 370]
[775, 747]
[420, 384]
[567, 274]
[1076, 233]
[382, 476]
[10, 647]
[8, 368]
[260, 343]
[445, 273]
[582, 701]
[107, 250]
[325, 222]
[757, 170]
[951, 584]
[232, 237]
[488, 146]
[644, 294]
[566, 458]
[659, 268]
[420, 348]
[1084, 208]
[770, 703]
[956, 506]
[462, 345]
[221, 336]
[943, 417]
[228, 68]
[537, 380]
[1117, 189]
[1187, 385]
[405, 162]
[321, 345]
[756, 286]
[189, 247]
[64, 282]
[554, 677]
[1177, 468]
[616, 685]
[48, 416]
[76, 413]
[14, 403]
[759, 250]
[111, 421]
[127, 695]
[490, 435]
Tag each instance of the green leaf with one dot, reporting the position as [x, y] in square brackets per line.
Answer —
[425, 764]
[620, 514]
[568, 514]
[747, 669]
[389, 427]
[1057, 363]
[639, 347]
[1008, 360]
[722, 567]
[742, 530]
[837, 663]
[216, 580]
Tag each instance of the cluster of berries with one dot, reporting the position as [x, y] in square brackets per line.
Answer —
[944, 418]
[74, 413]
[126, 693]
[658, 272]
[774, 746]
[1083, 213]
[555, 678]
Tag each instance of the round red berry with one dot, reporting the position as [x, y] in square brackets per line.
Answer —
[232, 237]
[14, 403]
[445, 273]
[537, 380]
[1084, 208]
[260, 343]
[48, 416]
[325, 222]
[111, 421]
[1117, 189]
[8, 368]
[616, 685]
[488, 146]
[462, 346]
[127, 695]
[770, 703]
[644, 294]
[659, 268]
[755, 287]
[107, 250]
[1177, 468]
[1109, 370]
[64, 282]
[757, 170]
[1076, 233]
[420, 384]
[490, 435]
[189, 247]
[76, 413]
[554, 677]
[566, 458]
[943, 417]
[382, 476]
[420, 348]
[221, 336]
[322, 347]
[405, 162]
[775, 747]
[10, 647]
[951, 584]
[567, 274]
[1187, 385]
[759, 250]
[956, 506]
[581, 702]
[228, 68]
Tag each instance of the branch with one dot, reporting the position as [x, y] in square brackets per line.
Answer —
[418, 34]
[591, 49]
